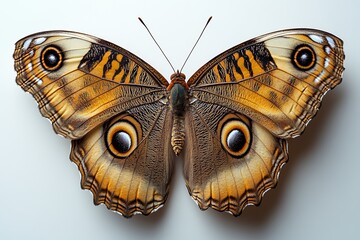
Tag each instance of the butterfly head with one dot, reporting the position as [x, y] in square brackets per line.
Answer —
[177, 77]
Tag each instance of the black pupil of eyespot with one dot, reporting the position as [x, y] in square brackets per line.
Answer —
[121, 141]
[51, 58]
[236, 140]
[304, 57]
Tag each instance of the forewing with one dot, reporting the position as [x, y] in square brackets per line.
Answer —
[80, 81]
[278, 80]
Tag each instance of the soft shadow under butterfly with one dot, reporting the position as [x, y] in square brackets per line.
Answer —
[229, 122]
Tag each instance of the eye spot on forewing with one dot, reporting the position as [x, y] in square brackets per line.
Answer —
[52, 58]
[303, 57]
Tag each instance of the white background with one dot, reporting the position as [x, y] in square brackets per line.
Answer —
[318, 193]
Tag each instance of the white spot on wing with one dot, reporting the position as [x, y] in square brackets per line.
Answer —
[316, 38]
[330, 41]
[38, 81]
[40, 40]
[30, 66]
[26, 44]
[327, 50]
[327, 62]
[318, 78]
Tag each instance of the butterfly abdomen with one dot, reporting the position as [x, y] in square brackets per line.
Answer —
[178, 134]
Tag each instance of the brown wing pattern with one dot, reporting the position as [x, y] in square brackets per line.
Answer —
[219, 179]
[132, 183]
[278, 80]
[80, 81]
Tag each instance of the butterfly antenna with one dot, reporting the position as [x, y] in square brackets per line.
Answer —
[157, 43]
[196, 42]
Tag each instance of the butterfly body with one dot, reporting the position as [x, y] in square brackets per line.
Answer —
[178, 99]
[229, 122]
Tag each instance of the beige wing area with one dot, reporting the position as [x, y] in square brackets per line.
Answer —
[127, 162]
[230, 161]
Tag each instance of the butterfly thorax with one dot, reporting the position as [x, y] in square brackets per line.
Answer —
[178, 103]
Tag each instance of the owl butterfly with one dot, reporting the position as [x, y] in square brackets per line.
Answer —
[230, 122]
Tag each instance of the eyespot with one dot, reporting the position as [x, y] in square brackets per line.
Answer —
[52, 58]
[303, 57]
[235, 140]
[236, 137]
[122, 136]
[121, 141]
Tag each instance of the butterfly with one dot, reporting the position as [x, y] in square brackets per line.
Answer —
[229, 122]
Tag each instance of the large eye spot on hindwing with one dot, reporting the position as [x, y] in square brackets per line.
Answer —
[122, 136]
[235, 135]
